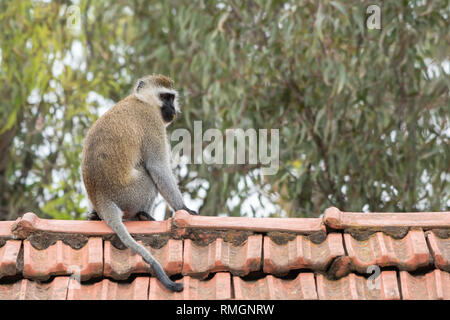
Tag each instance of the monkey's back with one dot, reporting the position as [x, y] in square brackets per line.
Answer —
[112, 148]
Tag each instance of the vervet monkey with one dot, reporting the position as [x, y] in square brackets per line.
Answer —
[126, 162]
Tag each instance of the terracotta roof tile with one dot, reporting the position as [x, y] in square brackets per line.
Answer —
[271, 288]
[9, 254]
[431, 286]
[216, 288]
[409, 253]
[5, 228]
[291, 258]
[337, 219]
[120, 264]
[31, 290]
[301, 253]
[30, 223]
[61, 259]
[340, 267]
[182, 219]
[440, 249]
[109, 290]
[353, 287]
[200, 261]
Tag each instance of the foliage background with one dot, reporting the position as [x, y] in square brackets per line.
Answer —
[363, 114]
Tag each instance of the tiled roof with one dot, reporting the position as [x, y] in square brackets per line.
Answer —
[343, 255]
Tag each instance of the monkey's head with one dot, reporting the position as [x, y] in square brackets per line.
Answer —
[159, 90]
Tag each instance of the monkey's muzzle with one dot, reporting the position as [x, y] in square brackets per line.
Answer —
[168, 113]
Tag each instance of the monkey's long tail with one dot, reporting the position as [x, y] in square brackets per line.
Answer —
[113, 218]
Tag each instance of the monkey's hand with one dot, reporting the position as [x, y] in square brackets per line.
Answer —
[190, 211]
[93, 216]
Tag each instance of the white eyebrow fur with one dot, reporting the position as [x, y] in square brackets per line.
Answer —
[151, 95]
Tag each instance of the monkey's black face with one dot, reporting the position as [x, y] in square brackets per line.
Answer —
[168, 110]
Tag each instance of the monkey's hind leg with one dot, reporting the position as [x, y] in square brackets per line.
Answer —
[112, 215]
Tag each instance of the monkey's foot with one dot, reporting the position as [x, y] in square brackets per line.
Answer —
[142, 215]
[93, 216]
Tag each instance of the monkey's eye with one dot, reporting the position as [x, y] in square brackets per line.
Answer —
[167, 97]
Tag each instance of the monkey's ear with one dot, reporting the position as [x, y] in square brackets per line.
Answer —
[140, 85]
